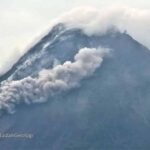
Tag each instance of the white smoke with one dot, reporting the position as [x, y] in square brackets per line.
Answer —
[97, 21]
[51, 82]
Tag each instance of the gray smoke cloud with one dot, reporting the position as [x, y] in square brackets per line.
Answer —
[51, 82]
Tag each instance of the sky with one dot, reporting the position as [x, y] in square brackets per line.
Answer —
[23, 20]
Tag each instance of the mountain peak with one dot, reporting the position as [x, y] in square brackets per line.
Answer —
[61, 44]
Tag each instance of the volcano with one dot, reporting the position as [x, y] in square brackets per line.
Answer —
[108, 108]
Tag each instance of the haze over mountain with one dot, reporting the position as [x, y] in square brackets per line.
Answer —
[93, 89]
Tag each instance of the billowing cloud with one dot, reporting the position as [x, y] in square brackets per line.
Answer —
[97, 21]
[51, 82]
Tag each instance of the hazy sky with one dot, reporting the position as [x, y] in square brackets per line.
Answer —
[22, 20]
